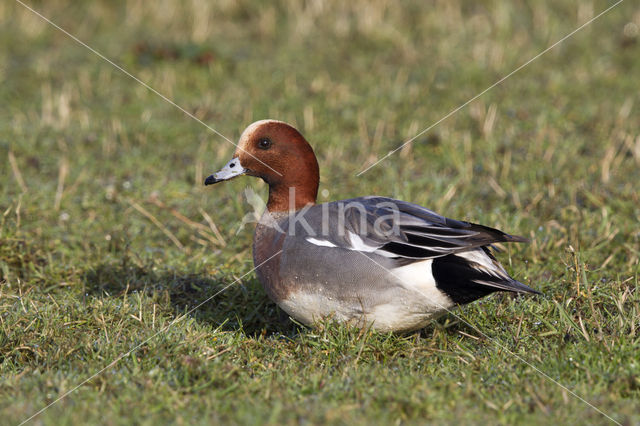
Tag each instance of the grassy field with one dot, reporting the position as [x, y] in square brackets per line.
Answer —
[107, 235]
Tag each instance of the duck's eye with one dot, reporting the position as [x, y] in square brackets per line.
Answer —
[264, 143]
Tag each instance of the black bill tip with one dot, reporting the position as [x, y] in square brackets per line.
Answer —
[211, 180]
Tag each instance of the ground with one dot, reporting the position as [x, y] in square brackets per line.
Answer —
[109, 240]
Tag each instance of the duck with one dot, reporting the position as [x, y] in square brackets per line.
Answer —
[369, 261]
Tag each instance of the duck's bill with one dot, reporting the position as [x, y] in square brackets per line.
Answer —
[232, 169]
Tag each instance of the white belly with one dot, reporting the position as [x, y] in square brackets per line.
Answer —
[408, 306]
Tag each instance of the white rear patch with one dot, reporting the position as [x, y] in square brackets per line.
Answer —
[418, 276]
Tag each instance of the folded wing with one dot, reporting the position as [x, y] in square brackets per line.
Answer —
[402, 230]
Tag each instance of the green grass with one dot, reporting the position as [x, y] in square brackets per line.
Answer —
[89, 157]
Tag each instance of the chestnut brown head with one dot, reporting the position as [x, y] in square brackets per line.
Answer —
[277, 153]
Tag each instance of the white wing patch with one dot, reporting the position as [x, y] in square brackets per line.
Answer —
[321, 243]
[358, 244]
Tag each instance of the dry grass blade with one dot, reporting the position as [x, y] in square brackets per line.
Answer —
[212, 225]
[16, 172]
[213, 237]
[156, 222]
[62, 174]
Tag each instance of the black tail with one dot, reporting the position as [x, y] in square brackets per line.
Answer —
[464, 283]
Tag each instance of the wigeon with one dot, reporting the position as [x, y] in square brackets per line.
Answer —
[370, 260]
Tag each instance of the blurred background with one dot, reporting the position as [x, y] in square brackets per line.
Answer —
[101, 179]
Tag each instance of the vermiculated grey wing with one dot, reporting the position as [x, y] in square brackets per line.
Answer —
[396, 229]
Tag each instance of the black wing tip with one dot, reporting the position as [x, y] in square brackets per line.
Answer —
[493, 235]
[517, 287]
[516, 239]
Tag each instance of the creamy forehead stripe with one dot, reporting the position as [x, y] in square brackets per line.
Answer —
[254, 126]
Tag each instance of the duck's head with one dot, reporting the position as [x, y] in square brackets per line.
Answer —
[280, 155]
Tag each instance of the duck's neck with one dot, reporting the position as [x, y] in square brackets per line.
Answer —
[292, 197]
[298, 187]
